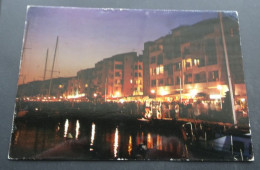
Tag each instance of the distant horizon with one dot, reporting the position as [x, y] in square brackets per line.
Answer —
[88, 36]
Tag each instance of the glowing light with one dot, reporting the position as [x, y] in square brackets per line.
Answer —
[219, 87]
[36, 109]
[95, 94]
[214, 96]
[117, 93]
[86, 85]
[66, 126]
[193, 93]
[152, 91]
[93, 127]
[159, 142]
[149, 141]
[38, 98]
[130, 145]
[163, 92]
[77, 129]
[60, 97]
[121, 100]
[76, 96]
[131, 81]
[116, 143]
[60, 86]
[54, 97]
[243, 99]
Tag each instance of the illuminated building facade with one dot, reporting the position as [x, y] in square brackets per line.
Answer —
[119, 76]
[87, 82]
[191, 61]
[73, 88]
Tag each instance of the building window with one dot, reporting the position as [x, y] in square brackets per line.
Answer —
[136, 67]
[178, 66]
[140, 67]
[188, 79]
[186, 51]
[159, 69]
[140, 75]
[117, 74]
[153, 83]
[200, 78]
[213, 76]
[188, 64]
[135, 74]
[211, 52]
[196, 62]
[153, 71]
[119, 66]
[169, 69]
[153, 58]
[161, 82]
[160, 60]
[169, 81]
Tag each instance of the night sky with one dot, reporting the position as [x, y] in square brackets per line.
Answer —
[87, 36]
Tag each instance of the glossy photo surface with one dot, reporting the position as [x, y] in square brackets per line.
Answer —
[121, 84]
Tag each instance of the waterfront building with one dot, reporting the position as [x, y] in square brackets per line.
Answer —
[119, 76]
[190, 62]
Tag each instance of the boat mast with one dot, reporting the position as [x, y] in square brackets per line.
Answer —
[228, 69]
[45, 68]
[55, 52]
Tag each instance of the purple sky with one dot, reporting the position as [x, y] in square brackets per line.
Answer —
[86, 36]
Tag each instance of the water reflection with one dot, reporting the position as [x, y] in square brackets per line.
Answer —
[77, 129]
[93, 131]
[159, 142]
[102, 141]
[66, 126]
[116, 143]
[149, 141]
[130, 145]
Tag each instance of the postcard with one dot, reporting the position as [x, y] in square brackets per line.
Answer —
[125, 84]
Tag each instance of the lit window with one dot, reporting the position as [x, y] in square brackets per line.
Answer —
[196, 62]
[159, 69]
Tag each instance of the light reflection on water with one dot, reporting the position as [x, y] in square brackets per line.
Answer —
[149, 141]
[130, 145]
[159, 142]
[66, 126]
[77, 129]
[110, 141]
[93, 131]
[116, 143]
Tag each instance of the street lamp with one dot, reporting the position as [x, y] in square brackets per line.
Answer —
[95, 94]
[219, 87]
[152, 91]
